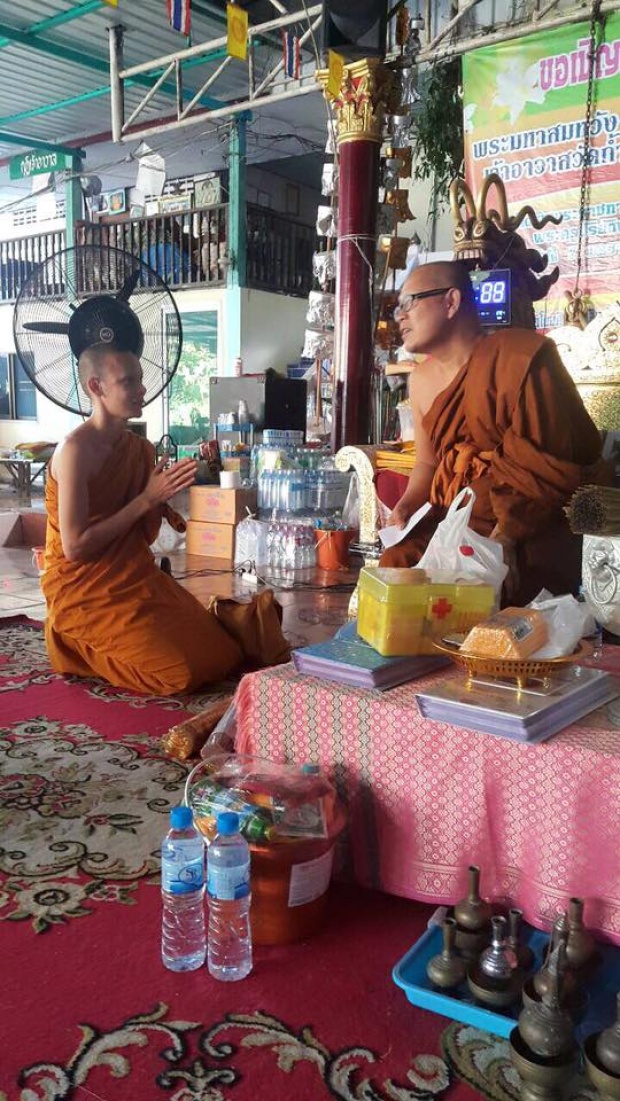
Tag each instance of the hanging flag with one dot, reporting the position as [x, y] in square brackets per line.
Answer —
[237, 28]
[292, 54]
[335, 73]
[180, 15]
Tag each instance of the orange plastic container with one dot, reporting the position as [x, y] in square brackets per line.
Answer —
[332, 548]
[298, 817]
[282, 876]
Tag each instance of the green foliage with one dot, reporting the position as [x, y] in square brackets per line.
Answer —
[438, 133]
[189, 389]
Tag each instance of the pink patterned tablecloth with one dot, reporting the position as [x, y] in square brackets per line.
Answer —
[426, 799]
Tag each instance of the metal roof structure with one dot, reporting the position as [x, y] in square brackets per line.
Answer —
[55, 76]
[55, 73]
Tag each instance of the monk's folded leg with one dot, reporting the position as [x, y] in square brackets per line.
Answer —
[182, 655]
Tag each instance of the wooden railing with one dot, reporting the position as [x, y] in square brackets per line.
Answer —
[279, 252]
[186, 249]
[19, 257]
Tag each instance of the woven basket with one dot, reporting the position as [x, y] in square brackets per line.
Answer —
[521, 671]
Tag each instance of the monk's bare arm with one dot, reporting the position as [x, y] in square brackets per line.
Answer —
[422, 393]
[83, 541]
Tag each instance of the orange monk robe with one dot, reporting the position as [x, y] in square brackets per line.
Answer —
[512, 426]
[120, 617]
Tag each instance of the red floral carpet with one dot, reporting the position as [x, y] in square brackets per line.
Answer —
[87, 1009]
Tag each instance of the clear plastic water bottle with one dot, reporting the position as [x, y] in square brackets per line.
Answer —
[229, 955]
[183, 941]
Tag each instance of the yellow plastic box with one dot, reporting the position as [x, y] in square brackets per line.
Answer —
[402, 611]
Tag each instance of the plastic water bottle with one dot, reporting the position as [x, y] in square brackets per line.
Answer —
[229, 954]
[183, 941]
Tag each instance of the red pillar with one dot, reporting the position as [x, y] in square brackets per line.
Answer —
[358, 115]
[353, 344]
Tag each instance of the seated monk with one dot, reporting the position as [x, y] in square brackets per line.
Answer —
[499, 413]
[112, 612]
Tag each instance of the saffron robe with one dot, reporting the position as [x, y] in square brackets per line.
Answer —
[122, 618]
[512, 425]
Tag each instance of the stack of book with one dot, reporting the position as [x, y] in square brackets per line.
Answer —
[351, 661]
[530, 714]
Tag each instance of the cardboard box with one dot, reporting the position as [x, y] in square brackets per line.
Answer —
[213, 505]
[211, 540]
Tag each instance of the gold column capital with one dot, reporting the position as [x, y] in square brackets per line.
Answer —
[366, 89]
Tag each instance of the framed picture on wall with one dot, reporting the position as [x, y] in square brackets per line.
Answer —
[174, 204]
[113, 202]
[208, 192]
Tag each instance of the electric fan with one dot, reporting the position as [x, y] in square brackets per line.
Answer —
[91, 295]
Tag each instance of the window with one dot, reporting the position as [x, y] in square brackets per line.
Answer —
[18, 395]
[188, 393]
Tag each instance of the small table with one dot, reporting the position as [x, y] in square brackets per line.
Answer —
[23, 473]
[425, 798]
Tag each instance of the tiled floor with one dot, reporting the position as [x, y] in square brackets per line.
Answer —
[313, 607]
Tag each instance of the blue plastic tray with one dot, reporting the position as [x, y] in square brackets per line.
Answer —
[459, 1004]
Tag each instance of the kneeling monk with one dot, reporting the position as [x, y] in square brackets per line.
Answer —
[112, 612]
[499, 413]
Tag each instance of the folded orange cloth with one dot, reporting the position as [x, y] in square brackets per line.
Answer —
[256, 627]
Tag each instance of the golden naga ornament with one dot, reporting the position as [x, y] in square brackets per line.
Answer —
[485, 238]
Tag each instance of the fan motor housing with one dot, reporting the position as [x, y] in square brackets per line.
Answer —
[105, 320]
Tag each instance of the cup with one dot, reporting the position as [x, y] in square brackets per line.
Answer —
[230, 479]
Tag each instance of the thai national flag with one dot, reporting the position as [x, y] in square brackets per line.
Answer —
[292, 54]
[180, 15]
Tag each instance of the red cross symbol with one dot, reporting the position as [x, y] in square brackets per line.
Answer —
[441, 608]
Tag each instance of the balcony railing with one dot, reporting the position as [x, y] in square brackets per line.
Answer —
[19, 257]
[186, 249]
[279, 252]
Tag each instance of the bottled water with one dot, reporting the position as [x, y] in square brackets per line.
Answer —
[183, 943]
[228, 884]
[297, 493]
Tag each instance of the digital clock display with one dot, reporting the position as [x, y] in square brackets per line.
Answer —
[492, 295]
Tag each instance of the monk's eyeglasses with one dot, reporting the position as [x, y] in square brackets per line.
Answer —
[406, 302]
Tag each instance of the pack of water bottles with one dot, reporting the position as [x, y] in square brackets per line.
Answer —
[274, 802]
[278, 546]
[298, 492]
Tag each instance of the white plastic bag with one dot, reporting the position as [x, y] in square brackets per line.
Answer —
[568, 621]
[457, 547]
[251, 542]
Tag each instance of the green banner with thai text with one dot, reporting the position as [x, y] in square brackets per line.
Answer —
[525, 107]
[35, 163]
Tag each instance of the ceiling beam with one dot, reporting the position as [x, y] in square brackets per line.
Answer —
[68, 16]
[83, 97]
[77, 57]
[34, 143]
[433, 53]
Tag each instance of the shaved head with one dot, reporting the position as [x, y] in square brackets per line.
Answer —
[450, 273]
[93, 363]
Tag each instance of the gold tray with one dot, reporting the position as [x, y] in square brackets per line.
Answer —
[521, 671]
